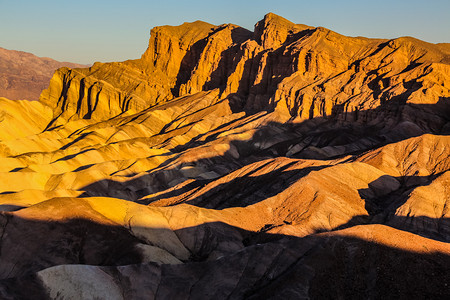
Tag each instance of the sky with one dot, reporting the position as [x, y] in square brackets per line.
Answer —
[84, 31]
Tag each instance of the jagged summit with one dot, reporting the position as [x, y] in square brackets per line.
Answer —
[291, 162]
[300, 71]
[273, 30]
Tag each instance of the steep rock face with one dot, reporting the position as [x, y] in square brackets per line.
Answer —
[273, 31]
[300, 71]
[338, 75]
[127, 86]
[168, 46]
[77, 94]
[210, 67]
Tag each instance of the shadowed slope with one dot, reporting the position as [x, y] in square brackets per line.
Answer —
[400, 265]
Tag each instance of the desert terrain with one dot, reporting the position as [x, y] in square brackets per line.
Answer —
[290, 162]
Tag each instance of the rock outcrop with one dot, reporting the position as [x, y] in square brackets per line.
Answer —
[291, 162]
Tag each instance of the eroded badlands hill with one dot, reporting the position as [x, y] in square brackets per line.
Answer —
[24, 75]
[288, 162]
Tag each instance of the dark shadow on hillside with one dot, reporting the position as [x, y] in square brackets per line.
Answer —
[226, 262]
[356, 131]
[241, 191]
[382, 202]
[433, 228]
[338, 136]
[381, 205]
[29, 245]
[378, 201]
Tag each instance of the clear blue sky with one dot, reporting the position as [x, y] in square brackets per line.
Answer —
[88, 31]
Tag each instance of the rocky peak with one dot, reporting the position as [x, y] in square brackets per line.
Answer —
[169, 44]
[300, 71]
[272, 31]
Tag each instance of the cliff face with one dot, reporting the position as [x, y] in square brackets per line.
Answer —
[288, 162]
[300, 71]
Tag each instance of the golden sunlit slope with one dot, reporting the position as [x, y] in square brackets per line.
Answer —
[21, 118]
[270, 162]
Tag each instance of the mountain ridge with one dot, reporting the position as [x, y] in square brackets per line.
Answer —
[200, 68]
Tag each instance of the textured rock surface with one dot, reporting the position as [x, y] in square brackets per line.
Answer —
[24, 75]
[291, 162]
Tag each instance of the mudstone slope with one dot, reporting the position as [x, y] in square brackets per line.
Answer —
[288, 162]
